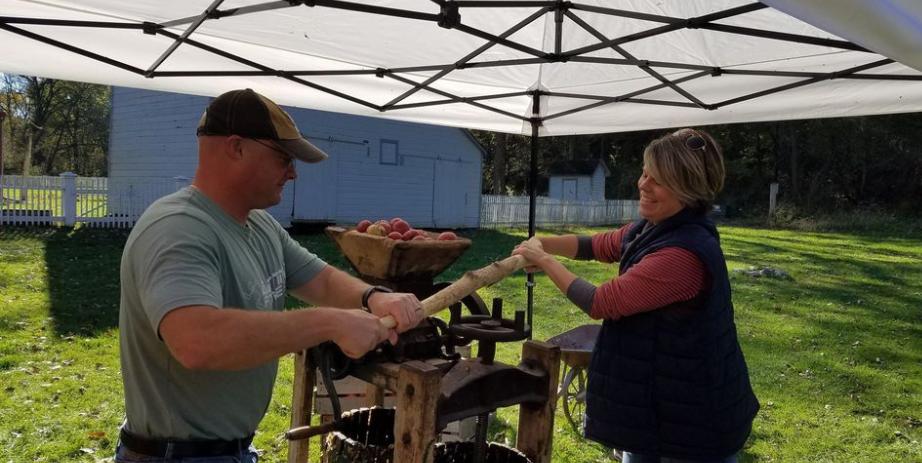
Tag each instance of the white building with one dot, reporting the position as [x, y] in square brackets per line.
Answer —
[378, 168]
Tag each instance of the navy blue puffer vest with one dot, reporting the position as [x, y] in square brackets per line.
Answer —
[673, 382]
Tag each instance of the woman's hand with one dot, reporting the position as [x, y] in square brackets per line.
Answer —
[533, 252]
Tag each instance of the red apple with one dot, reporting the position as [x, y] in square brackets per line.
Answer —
[410, 234]
[447, 236]
[395, 235]
[400, 225]
[421, 238]
[362, 226]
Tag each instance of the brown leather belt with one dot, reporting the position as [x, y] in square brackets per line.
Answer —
[171, 448]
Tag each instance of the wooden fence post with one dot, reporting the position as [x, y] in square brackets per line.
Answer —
[69, 198]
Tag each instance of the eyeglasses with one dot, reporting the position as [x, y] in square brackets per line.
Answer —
[695, 142]
[286, 158]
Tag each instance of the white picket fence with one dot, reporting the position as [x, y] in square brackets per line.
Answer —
[512, 211]
[99, 202]
[69, 199]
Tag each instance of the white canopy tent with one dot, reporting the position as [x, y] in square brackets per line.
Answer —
[530, 67]
[598, 66]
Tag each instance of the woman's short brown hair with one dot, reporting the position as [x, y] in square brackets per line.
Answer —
[690, 163]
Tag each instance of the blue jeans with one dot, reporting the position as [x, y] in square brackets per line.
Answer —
[123, 455]
[637, 458]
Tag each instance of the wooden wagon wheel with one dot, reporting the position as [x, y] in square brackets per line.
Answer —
[573, 394]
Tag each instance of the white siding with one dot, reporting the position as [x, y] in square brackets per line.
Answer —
[555, 187]
[589, 188]
[368, 189]
[153, 135]
[598, 184]
[583, 187]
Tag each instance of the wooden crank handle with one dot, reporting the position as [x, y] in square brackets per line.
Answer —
[470, 282]
[388, 322]
[306, 432]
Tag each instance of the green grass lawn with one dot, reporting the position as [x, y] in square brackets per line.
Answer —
[93, 205]
[835, 354]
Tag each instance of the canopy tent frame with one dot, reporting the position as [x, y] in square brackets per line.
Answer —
[450, 17]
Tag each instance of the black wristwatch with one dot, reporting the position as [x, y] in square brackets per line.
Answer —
[368, 292]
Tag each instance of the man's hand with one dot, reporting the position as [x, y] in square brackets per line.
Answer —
[405, 308]
[533, 252]
[360, 332]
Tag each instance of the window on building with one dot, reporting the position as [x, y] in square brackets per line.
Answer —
[389, 152]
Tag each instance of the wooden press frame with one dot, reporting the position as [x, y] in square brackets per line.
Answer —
[417, 385]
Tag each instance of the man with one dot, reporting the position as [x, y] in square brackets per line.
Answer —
[204, 276]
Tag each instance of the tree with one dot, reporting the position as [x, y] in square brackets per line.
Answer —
[55, 126]
[821, 165]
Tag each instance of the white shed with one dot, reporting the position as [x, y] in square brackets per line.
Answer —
[577, 180]
[378, 168]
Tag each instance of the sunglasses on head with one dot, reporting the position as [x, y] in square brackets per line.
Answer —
[695, 142]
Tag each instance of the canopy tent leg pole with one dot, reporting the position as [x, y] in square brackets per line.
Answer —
[532, 200]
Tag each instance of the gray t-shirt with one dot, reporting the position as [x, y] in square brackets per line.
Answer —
[185, 250]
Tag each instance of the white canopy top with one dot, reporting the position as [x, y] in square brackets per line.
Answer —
[710, 61]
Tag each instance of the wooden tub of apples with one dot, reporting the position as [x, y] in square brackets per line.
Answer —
[393, 251]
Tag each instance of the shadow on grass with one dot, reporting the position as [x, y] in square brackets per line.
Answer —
[83, 278]
[870, 288]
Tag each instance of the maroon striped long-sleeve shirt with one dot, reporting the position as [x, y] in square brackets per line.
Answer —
[663, 277]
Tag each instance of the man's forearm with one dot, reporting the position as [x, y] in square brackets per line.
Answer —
[235, 339]
[346, 291]
[333, 288]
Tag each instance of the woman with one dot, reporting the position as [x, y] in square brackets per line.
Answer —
[667, 381]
